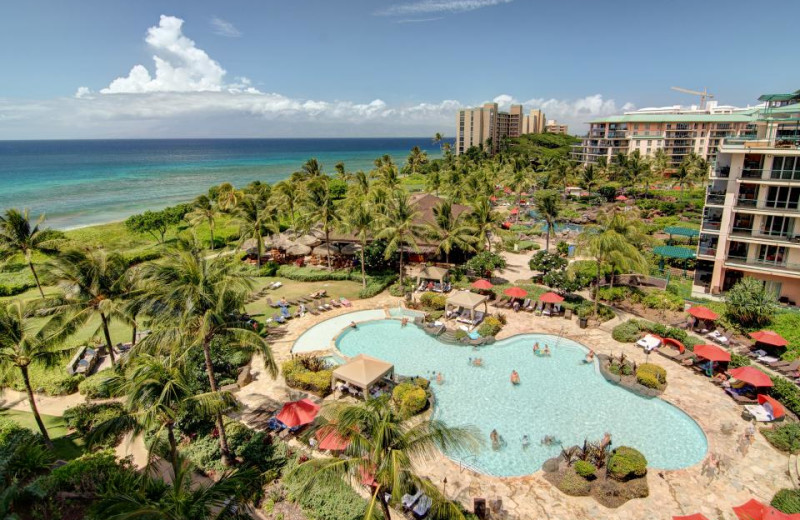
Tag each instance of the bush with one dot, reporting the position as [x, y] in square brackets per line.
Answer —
[750, 303]
[584, 469]
[626, 463]
[785, 437]
[627, 332]
[546, 262]
[787, 393]
[376, 285]
[86, 417]
[93, 387]
[574, 485]
[92, 473]
[662, 300]
[613, 294]
[409, 399]
[327, 499]
[648, 380]
[653, 371]
[204, 452]
[433, 301]
[485, 262]
[490, 327]
[307, 375]
[787, 500]
[48, 380]
[738, 360]
[269, 269]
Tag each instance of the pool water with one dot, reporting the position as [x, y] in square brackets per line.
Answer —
[320, 335]
[400, 312]
[558, 396]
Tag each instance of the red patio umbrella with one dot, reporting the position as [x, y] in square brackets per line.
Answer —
[516, 292]
[703, 313]
[777, 408]
[696, 516]
[769, 337]
[751, 376]
[330, 439]
[712, 353]
[482, 284]
[551, 297]
[493, 198]
[621, 197]
[755, 510]
[515, 211]
[298, 413]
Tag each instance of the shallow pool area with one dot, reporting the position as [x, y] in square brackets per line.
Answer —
[559, 396]
[401, 312]
[320, 335]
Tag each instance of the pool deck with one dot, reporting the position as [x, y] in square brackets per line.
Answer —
[757, 472]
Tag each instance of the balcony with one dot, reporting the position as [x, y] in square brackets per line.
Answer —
[744, 202]
[752, 173]
[761, 265]
[707, 250]
[784, 175]
[722, 172]
[715, 198]
[711, 225]
[768, 205]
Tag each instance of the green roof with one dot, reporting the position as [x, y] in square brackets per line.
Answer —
[681, 231]
[673, 252]
[738, 117]
[778, 97]
[786, 109]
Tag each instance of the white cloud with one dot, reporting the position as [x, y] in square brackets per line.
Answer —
[222, 27]
[578, 111]
[179, 65]
[83, 92]
[504, 101]
[439, 6]
[420, 20]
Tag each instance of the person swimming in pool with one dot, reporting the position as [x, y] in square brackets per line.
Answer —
[353, 325]
[477, 362]
[497, 441]
[514, 377]
[536, 349]
[589, 357]
[525, 442]
[546, 351]
[439, 378]
[404, 322]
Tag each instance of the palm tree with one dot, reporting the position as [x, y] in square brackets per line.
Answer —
[485, 222]
[192, 301]
[158, 392]
[612, 241]
[660, 164]
[22, 343]
[692, 168]
[203, 210]
[341, 172]
[589, 177]
[359, 219]
[321, 209]
[637, 170]
[288, 196]
[227, 196]
[256, 219]
[94, 284]
[386, 173]
[180, 496]
[451, 231]
[311, 169]
[548, 206]
[438, 138]
[401, 228]
[18, 236]
[388, 448]
[416, 158]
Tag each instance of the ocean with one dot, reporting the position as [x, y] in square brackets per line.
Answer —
[81, 183]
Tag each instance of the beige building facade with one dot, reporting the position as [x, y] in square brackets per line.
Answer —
[554, 127]
[487, 126]
[751, 218]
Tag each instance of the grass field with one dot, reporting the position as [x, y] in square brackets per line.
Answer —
[67, 445]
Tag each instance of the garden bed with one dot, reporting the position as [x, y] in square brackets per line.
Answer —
[629, 381]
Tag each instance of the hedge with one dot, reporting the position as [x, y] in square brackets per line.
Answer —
[298, 376]
[787, 393]
[94, 387]
[787, 501]
[433, 301]
[490, 327]
[574, 485]
[785, 437]
[327, 499]
[376, 283]
[626, 463]
[85, 417]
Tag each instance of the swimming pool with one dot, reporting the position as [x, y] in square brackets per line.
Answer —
[320, 335]
[401, 312]
[558, 396]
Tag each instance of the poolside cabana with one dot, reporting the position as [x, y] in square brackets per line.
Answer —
[363, 372]
[467, 300]
[681, 253]
[433, 274]
[681, 232]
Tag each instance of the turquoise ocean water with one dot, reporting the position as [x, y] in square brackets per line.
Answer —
[80, 183]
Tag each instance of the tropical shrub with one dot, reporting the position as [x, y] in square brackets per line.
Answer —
[94, 387]
[48, 380]
[327, 499]
[546, 262]
[787, 501]
[409, 399]
[490, 327]
[785, 437]
[738, 360]
[92, 473]
[269, 268]
[485, 262]
[626, 463]
[584, 469]
[651, 376]
[750, 303]
[574, 485]
[459, 334]
[86, 417]
[662, 300]
[433, 301]
[627, 332]
[787, 393]
[308, 375]
[376, 284]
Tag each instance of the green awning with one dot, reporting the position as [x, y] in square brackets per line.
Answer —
[681, 231]
[674, 252]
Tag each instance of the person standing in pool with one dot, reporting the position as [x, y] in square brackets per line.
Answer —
[496, 440]
[514, 377]
[353, 325]
[404, 322]
[525, 442]
[546, 351]
[439, 378]
[536, 349]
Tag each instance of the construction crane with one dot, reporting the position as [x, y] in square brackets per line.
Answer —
[703, 95]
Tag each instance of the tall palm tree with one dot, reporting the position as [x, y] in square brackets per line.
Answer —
[22, 343]
[203, 210]
[94, 284]
[180, 496]
[450, 231]
[692, 169]
[256, 219]
[228, 197]
[191, 301]
[637, 170]
[660, 164]
[321, 209]
[548, 206]
[401, 229]
[157, 392]
[485, 222]
[416, 158]
[589, 177]
[19, 236]
[382, 444]
[288, 196]
[386, 173]
[311, 169]
[341, 172]
[438, 138]
[359, 219]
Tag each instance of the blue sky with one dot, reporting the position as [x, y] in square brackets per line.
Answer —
[337, 67]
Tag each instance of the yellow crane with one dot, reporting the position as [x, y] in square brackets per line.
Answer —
[703, 95]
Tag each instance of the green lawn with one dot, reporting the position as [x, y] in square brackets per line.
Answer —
[67, 445]
[292, 289]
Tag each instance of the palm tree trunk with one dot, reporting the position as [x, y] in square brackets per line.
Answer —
[401, 265]
[387, 514]
[259, 250]
[36, 278]
[173, 448]
[223, 438]
[547, 237]
[328, 243]
[363, 268]
[107, 334]
[597, 287]
[133, 335]
[211, 229]
[34, 410]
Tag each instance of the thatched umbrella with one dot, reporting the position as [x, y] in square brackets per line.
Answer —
[297, 250]
[325, 250]
[250, 243]
[350, 249]
[309, 240]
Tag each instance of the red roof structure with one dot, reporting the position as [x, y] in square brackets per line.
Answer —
[551, 297]
[769, 337]
[703, 313]
[298, 413]
[751, 376]
[712, 353]
[482, 284]
[516, 292]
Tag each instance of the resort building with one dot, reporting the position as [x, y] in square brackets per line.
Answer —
[554, 127]
[751, 219]
[677, 130]
[487, 126]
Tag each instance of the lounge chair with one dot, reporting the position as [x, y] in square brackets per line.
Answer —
[424, 504]
[408, 501]
[335, 303]
[760, 412]
[547, 311]
[327, 306]
[717, 337]
[525, 304]
[345, 301]
[788, 368]
[275, 285]
[312, 311]
[740, 397]
[478, 318]
[272, 304]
